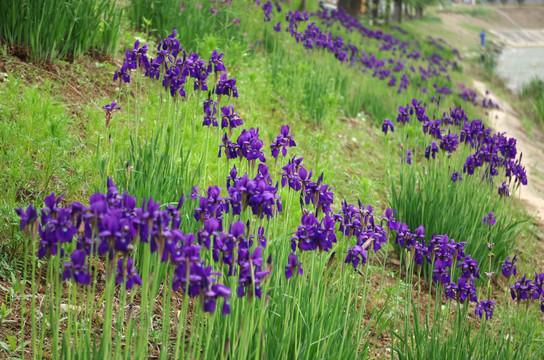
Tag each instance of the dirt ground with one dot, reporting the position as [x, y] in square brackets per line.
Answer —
[532, 17]
[500, 17]
[505, 119]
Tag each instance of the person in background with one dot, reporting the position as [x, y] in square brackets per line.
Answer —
[482, 37]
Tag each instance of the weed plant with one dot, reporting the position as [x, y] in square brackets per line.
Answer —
[194, 20]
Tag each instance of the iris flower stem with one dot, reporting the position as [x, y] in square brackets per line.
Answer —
[87, 313]
[35, 283]
[202, 324]
[79, 318]
[313, 281]
[71, 311]
[137, 108]
[194, 330]
[105, 344]
[144, 306]
[166, 313]
[49, 300]
[181, 330]
[206, 152]
[346, 310]
[218, 159]
[128, 332]
[58, 294]
[23, 283]
[298, 318]
[224, 340]
[120, 316]
[209, 330]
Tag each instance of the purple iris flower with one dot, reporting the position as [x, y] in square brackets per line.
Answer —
[456, 177]
[28, 216]
[250, 145]
[403, 116]
[469, 268]
[200, 277]
[267, 8]
[524, 289]
[277, 27]
[231, 149]
[387, 124]
[489, 219]
[209, 113]
[226, 86]
[77, 269]
[503, 189]
[449, 143]
[230, 119]
[216, 61]
[485, 306]
[261, 238]
[313, 234]
[292, 265]
[463, 289]
[127, 273]
[205, 235]
[290, 175]
[122, 73]
[433, 128]
[431, 150]
[282, 141]
[408, 156]
[251, 272]
[356, 255]
[211, 295]
[111, 107]
[509, 267]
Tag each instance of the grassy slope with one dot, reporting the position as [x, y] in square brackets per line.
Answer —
[50, 138]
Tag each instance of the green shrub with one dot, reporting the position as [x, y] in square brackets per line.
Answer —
[534, 93]
[57, 29]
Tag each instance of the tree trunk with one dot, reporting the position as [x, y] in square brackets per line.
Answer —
[398, 11]
[302, 6]
[353, 7]
[419, 11]
[387, 11]
[375, 6]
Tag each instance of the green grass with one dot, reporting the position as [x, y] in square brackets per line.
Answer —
[57, 29]
[533, 92]
[474, 11]
[471, 27]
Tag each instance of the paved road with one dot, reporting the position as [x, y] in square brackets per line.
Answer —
[521, 37]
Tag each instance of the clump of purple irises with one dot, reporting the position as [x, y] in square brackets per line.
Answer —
[492, 151]
[112, 226]
[173, 66]
[386, 68]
